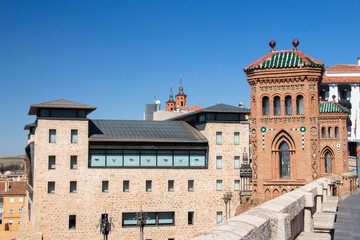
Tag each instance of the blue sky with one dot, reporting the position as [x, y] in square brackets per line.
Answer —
[116, 54]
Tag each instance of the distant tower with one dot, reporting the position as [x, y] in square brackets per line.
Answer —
[170, 104]
[180, 97]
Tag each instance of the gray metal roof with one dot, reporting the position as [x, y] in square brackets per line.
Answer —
[61, 103]
[144, 131]
[218, 108]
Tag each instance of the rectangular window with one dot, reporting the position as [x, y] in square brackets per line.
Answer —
[73, 162]
[132, 158]
[114, 158]
[219, 217]
[181, 158]
[154, 218]
[51, 187]
[218, 138]
[190, 218]
[20, 210]
[51, 162]
[218, 185]
[11, 211]
[73, 185]
[10, 222]
[18, 222]
[166, 218]
[237, 185]
[52, 135]
[21, 200]
[148, 185]
[74, 136]
[236, 138]
[72, 221]
[12, 200]
[236, 162]
[218, 162]
[105, 186]
[197, 158]
[171, 185]
[190, 185]
[97, 158]
[148, 158]
[165, 158]
[126, 186]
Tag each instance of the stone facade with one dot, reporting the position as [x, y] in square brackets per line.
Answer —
[49, 213]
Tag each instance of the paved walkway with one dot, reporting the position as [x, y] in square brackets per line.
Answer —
[347, 225]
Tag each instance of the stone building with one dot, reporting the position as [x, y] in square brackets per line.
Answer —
[175, 171]
[287, 151]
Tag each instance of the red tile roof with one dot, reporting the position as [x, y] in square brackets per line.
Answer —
[344, 67]
[327, 79]
[194, 108]
[15, 188]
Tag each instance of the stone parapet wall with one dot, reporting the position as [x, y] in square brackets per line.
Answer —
[284, 217]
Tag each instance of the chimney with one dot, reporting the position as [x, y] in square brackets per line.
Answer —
[6, 185]
[359, 61]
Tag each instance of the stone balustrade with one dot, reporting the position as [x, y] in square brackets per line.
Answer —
[305, 213]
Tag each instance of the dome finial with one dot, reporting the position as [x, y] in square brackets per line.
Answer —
[295, 43]
[272, 44]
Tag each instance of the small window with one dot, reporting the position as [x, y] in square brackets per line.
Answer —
[219, 217]
[265, 105]
[218, 138]
[126, 186]
[148, 185]
[299, 105]
[12, 200]
[218, 162]
[73, 162]
[330, 132]
[73, 185]
[74, 136]
[237, 162]
[171, 185]
[72, 221]
[10, 222]
[52, 136]
[191, 185]
[11, 211]
[336, 132]
[190, 218]
[218, 185]
[277, 110]
[20, 210]
[105, 186]
[236, 138]
[237, 185]
[323, 132]
[21, 200]
[52, 162]
[288, 105]
[18, 222]
[51, 187]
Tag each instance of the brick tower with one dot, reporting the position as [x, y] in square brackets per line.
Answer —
[181, 97]
[284, 121]
[170, 104]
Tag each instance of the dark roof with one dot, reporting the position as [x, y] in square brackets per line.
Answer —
[61, 103]
[28, 126]
[284, 59]
[15, 188]
[144, 131]
[329, 107]
[218, 108]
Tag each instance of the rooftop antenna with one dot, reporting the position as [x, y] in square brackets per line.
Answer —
[155, 97]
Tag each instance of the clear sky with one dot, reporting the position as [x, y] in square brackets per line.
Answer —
[116, 54]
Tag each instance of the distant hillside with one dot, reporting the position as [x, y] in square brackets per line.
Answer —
[8, 160]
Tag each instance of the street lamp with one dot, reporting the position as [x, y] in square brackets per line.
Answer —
[141, 218]
[227, 199]
[105, 225]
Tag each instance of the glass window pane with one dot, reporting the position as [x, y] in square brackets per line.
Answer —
[218, 162]
[44, 112]
[148, 158]
[166, 218]
[131, 158]
[181, 158]
[114, 158]
[218, 137]
[330, 132]
[190, 185]
[73, 162]
[323, 132]
[52, 162]
[284, 160]
[148, 185]
[300, 105]
[97, 158]
[288, 107]
[336, 132]
[128, 219]
[202, 118]
[171, 185]
[165, 158]
[52, 135]
[74, 136]
[105, 186]
[218, 185]
[126, 186]
[63, 113]
[327, 162]
[152, 218]
[219, 217]
[197, 158]
[210, 116]
[236, 138]
[227, 117]
[277, 106]
[236, 162]
[237, 185]
[265, 105]
[81, 113]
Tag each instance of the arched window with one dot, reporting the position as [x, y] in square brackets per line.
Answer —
[284, 155]
[330, 132]
[299, 105]
[327, 162]
[288, 108]
[336, 132]
[323, 132]
[265, 105]
[276, 105]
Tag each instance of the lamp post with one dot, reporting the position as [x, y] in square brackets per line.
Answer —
[105, 225]
[141, 218]
[227, 199]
